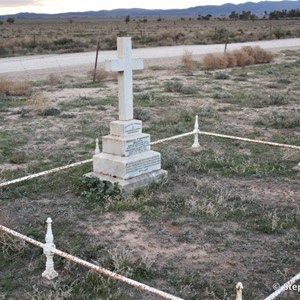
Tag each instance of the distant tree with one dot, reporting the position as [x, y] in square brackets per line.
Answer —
[207, 17]
[245, 15]
[159, 19]
[127, 19]
[234, 15]
[10, 21]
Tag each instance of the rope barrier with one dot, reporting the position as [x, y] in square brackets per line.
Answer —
[287, 286]
[172, 138]
[94, 267]
[249, 140]
[196, 144]
[7, 183]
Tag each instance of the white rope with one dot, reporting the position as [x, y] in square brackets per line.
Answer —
[287, 286]
[249, 140]
[4, 184]
[92, 266]
[7, 183]
[172, 138]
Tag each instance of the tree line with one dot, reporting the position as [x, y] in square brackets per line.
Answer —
[284, 14]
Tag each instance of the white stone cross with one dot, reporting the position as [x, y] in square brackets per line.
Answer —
[124, 65]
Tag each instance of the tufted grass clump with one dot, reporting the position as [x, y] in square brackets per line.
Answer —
[187, 62]
[15, 88]
[280, 119]
[243, 57]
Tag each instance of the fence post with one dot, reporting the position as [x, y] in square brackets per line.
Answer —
[196, 132]
[97, 149]
[239, 289]
[96, 62]
[49, 273]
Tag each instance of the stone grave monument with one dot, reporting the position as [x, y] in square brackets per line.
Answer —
[126, 157]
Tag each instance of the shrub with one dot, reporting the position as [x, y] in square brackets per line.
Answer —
[53, 79]
[38, 103]
[50, 112]
[278, 99]
[221, 75]
[101, 75]
[242, 57]
[280, 119]
[214, 61]
[174, 86]
[187, 62]
[14, 88]
[141, 114]
[231, 60]
[99, 192]
[18, 157]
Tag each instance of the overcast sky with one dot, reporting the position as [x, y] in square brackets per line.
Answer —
[55, 6]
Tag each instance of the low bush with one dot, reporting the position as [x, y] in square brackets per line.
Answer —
[11, 88]
[187, 62]
[280, 119]
[242, 57]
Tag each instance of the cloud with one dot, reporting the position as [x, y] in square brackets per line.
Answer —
[16, 3]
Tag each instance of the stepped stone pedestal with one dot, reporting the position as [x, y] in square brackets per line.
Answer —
[127, 157]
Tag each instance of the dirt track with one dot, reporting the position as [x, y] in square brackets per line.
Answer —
[39, 66]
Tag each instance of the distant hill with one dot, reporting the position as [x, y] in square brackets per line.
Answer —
[225, 9]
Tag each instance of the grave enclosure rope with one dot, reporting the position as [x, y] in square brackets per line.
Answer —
[55, 170]
[91, 266]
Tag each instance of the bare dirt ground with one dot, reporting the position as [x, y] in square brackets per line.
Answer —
[227, 213]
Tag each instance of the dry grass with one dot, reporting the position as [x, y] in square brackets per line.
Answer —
[53, 79]
[215, 61]
[245, 56]
[101, 75]
[187, 62]
[61, 36]
[9, 245]
[38, 103]
[11, 88]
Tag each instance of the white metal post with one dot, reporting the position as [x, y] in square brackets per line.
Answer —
[196, 132]
[239, 289]
[49, 273]
[97, 149]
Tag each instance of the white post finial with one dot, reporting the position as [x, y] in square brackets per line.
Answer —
[239, 289]
[196, 132]
[49, 273]
[97, 149]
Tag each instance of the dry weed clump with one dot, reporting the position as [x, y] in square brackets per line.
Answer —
[187, 62]
[214, 61]
[11, 88]
[243, 57]
[38, 103]
[53, 79]
[102, 75]
[9, 245]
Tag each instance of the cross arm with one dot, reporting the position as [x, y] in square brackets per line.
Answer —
[119, 66]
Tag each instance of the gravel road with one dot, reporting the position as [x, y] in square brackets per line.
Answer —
[39, 66]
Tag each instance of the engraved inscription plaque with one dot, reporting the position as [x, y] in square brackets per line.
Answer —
[137, 146]
[133, 129]
[142, 166]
